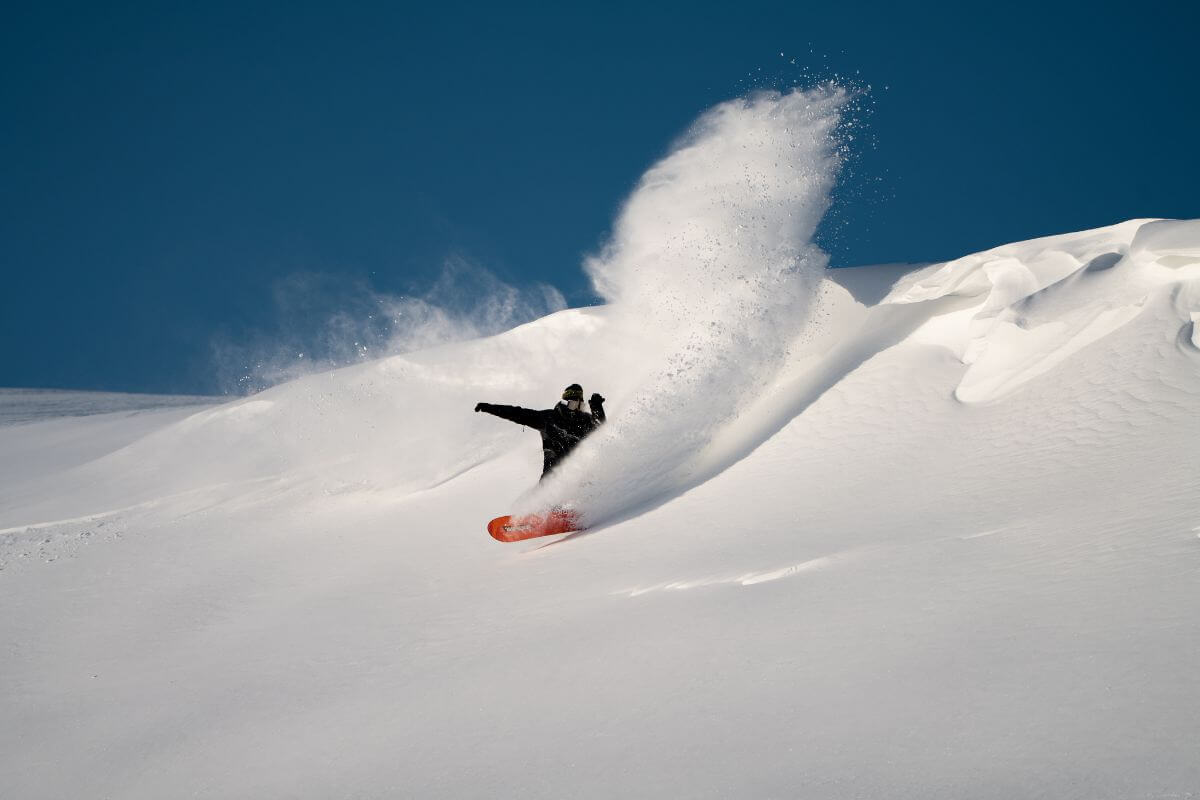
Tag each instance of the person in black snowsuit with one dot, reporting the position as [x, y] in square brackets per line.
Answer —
[562, 427]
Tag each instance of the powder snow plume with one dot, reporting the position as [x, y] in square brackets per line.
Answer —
[711, 275]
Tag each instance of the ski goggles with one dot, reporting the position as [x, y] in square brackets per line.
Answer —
[573, 394]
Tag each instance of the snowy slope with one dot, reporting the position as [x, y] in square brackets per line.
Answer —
[941, 545]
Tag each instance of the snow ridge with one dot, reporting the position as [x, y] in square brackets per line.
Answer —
[1046, 299]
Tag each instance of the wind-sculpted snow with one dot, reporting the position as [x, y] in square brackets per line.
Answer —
[1043, 300]
[711, 276]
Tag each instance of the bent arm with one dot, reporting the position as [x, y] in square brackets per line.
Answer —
[521, 416]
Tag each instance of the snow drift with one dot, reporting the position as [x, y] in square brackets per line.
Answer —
[881, 533]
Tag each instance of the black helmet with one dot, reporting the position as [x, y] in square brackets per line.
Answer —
[573, 392]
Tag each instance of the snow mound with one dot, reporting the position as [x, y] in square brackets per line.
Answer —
[1046, 299]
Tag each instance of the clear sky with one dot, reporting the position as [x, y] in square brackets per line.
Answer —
[167, 165]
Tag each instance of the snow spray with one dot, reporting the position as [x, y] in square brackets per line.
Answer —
[712, 274]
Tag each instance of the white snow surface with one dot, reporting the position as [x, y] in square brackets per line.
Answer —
[943, 545]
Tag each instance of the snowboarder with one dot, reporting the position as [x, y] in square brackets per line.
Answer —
[562, 427]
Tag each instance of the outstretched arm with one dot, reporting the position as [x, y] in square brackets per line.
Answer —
[521, 416]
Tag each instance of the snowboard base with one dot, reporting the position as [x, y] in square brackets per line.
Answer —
[531, 526]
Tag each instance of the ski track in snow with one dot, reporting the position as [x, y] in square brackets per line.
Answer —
[744, 579]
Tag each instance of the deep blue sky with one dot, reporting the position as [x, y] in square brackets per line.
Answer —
[165, 164]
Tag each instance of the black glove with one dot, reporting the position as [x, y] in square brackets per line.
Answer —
[595, 400]
[481, 407]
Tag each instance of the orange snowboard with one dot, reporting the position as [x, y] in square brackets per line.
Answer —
[515, 529]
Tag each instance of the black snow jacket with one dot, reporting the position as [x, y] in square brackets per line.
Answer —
[561, 428]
